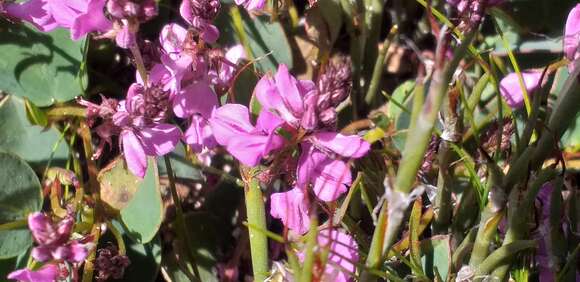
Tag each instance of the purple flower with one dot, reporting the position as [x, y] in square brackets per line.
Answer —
[511, 90]
[252, 5]
[199, 14]
[572, 36]
[284, 95]
[232, 128]
[53, 239]
[292, 207]
[323, 165]
[47, 273]
[34, 12]
[323, 162]
[142, 131]
[223, 67]
[340, 264]
[80, 16]
[127, 16]
[199, 134]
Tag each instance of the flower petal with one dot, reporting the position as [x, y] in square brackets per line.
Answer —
[330, 179]
[195, 98]
[249, 149]
[512, 92]
[343, 255]
[185, 11]
[199, 134]
[292, 208]
[210, 34]
[47, 273]
[229, 121]
[572, 33]
[134, 153]
[34, 12]
[92, 20]
[172, 38]
[159, 139]
[350, 146]
[288, 88]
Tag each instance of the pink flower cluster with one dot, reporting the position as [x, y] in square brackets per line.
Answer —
[54, 246]
[181, 83]
[291, 105]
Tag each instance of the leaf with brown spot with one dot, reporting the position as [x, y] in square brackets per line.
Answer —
[118, 185]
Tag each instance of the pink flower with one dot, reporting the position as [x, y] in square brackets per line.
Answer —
[199, 14]
[199, 134]
[292, 207]
[252, 5]
[47, 273]
[142, 131]
[512, 92]
[223, 68]
[53, 239]
[572, 36]
[34, 12]
[284, 95]
[81, 17]
[323, 163]
[232, 128]
[340, 265]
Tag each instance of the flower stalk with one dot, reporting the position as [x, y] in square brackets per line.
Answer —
[256, 212]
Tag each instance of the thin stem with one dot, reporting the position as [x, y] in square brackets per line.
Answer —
[118, 237]
[89, 267]
[309, 256]
[13, 225]
[380, 66]
[180, 218]
[139, 63]
[256, 213]
[215, 171]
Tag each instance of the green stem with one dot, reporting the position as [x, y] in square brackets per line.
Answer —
[139, 63]
[257, 217]
[180, 218]
[501, 255]
[520, 208]
[380, 66]
[227, 177]
[118, 237]
[13, 225]
[240, 31]
[563, 115]
[420, 133]
[309, 256]
[487, 230]
[443, 201]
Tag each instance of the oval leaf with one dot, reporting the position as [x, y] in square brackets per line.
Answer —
[42, 67]
[20, 194]
[32, 143]
[144, 213]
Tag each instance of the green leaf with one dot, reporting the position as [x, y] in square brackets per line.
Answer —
[42, 67]
[32, 143]
[145, 261]
[182, 167]
[118, 185]
[436, 256]
[263, 36]
[144, 213]
[20, 194]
